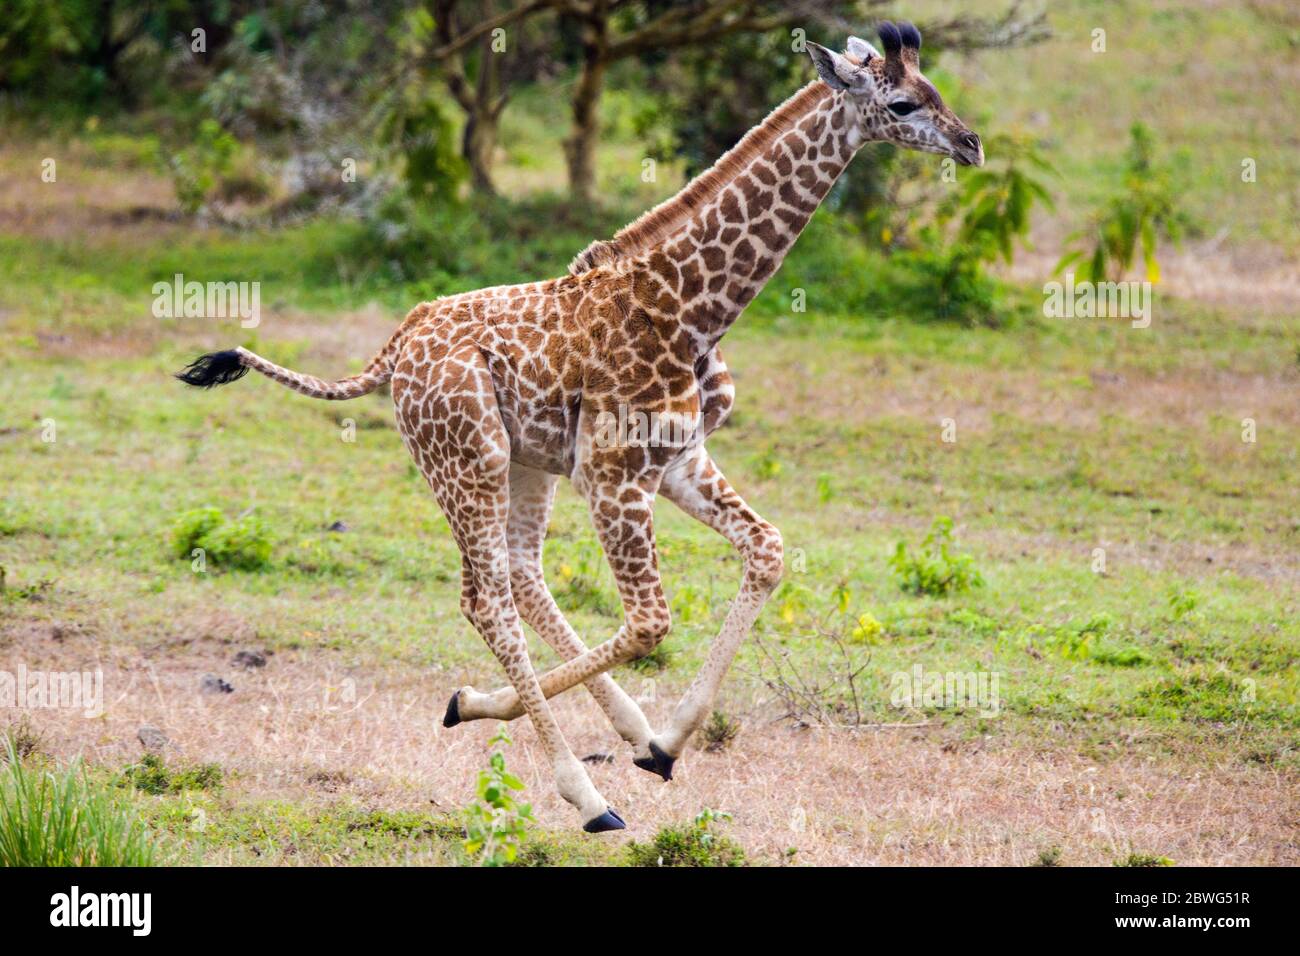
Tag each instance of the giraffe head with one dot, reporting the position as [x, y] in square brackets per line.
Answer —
[895, 103]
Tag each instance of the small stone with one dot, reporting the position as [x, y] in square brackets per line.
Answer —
[212, 684]
[338, 527]
[249, 660]
[152, 738]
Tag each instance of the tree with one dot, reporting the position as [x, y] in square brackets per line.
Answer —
[612, 30]
[480, 71]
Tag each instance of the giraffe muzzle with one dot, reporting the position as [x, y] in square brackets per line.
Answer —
[969, 150]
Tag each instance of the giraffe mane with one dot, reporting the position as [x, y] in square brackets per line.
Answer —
[664, 219]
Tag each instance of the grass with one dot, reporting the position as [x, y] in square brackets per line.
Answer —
[694, 844]
[51, 817]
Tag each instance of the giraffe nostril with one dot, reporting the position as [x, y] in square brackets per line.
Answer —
[971, 140]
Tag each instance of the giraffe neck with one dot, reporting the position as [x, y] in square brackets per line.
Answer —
[725, 253]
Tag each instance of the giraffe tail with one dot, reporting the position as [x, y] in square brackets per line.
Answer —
[218, 368]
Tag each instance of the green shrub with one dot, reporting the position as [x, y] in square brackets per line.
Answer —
[659, 659]
[199, 169]
[1144, 860]
[691, 844]
[1182, 603]
[935, 570]
[191, 527]
[153, 776]
[497, 822]
[1049, 856]
[50, 818]
[1146, 209]
[719, 731]
[243, 544]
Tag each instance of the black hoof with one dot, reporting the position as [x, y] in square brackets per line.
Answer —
[609, 820]
[658, 762]
[452, 717]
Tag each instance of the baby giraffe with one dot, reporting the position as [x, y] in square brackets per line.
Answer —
[500, 392]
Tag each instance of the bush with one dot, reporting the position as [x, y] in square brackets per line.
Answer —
[1049, 856]
[199, 169]
[243, 544]
[936, 570]
[52, 818]
[1145, 210]
[692, 844]
[151, 775]
[719, 731]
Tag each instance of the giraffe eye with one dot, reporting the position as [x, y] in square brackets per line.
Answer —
[902, 108]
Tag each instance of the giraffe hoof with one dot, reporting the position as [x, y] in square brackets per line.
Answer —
[452, 717]
[609, 820]
[658, 762]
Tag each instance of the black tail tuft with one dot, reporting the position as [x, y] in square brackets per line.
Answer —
[215, 368]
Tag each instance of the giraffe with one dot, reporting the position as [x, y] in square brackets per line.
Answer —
[500, 392]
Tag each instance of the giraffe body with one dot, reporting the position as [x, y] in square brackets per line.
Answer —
[500, 392]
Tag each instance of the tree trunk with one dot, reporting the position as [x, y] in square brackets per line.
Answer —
[580, 147]
[478, 145]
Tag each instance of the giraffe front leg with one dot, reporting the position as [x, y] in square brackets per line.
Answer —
[699, 488]
[622, 516]
[531, 495]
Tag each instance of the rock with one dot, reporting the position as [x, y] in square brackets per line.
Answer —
[212, 684]
[249, 660]
[338, 527]
[152, 738]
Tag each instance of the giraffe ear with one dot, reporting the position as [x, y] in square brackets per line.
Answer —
[836, 71]
[861, 50]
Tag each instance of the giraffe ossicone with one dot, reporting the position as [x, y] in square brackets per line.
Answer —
[500, 392]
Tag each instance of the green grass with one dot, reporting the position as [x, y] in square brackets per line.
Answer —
[280, 832]
[52, 817]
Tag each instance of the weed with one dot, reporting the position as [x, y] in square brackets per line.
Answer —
[152, 775]
[936, 571]
[719, 731]
[691, 844]
[27, 740]
[689, 604]
[496, 823]
[582, 588]
[1182, 603]
[242, 544]
[1050, 856]
[1198, 695]
[659, 659]
[1144, 860]
[867, 630]
[1144, 211]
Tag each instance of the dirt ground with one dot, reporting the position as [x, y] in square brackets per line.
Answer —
[887, 796]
